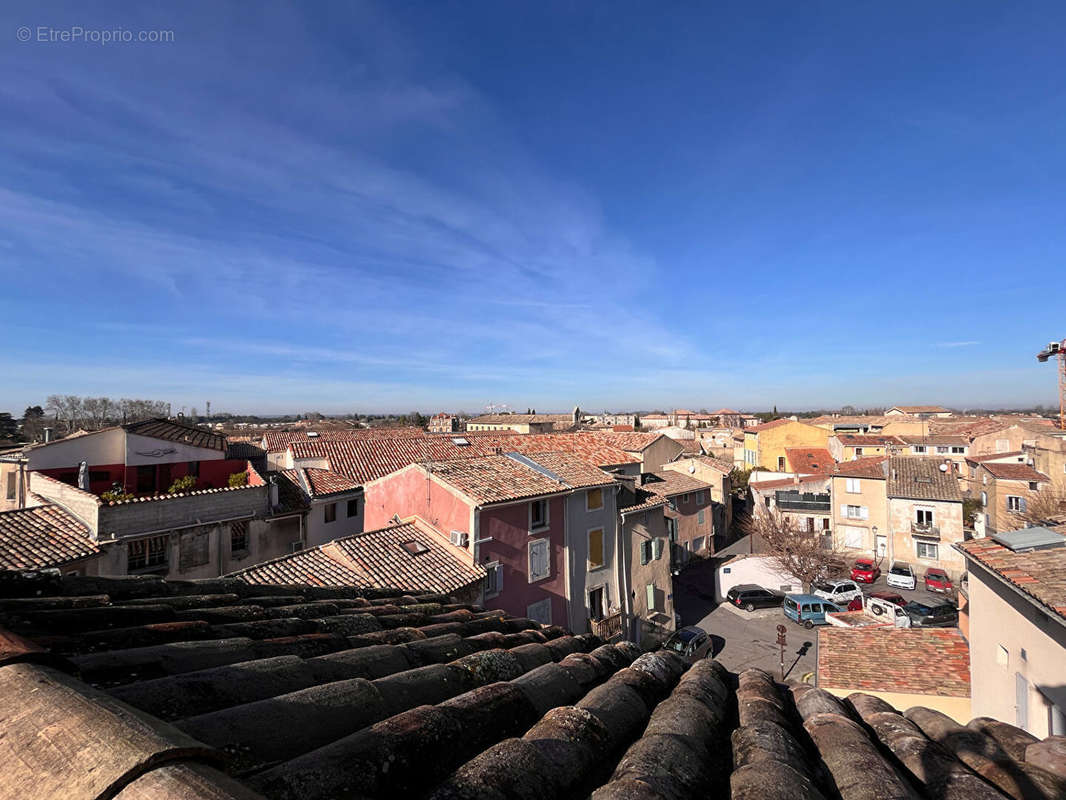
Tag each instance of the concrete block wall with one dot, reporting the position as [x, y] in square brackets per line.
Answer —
[131, 518]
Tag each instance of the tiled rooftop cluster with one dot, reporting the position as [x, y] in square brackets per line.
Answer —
[43, 536]
[404, 556]
[1037, 573]
[220, 689]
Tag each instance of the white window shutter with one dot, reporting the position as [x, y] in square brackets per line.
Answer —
[843, 509]
[864, 512]
[658, 546]
[650, 588]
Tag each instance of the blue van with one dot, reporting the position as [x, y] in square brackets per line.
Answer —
[807, 609]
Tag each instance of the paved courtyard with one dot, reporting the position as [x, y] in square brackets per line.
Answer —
[743, 639]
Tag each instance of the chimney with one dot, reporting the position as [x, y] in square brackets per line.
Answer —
[274, 502]
[47, 435]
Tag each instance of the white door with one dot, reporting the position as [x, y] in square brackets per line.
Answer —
[882, 545]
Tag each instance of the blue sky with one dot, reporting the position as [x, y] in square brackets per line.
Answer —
[363, 207]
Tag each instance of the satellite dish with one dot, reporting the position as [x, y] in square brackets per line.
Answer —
[943, 467]
[691, 468]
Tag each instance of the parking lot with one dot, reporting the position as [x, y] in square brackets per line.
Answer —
[742, 639]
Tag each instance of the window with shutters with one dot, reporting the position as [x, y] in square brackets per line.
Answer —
[539, 568]
[699, 517]
[651, 596]
[540, 611]
[493, 579]
[1015, 503]
[12, 479]
[856, 512]
[238, 536]
[701, 496]
[657, 548]
[594, 499]
[645, 551]
[853, 537]
[596, 548]
[538, 515]
[854, 485]
[330, 512]
[919, 449]
[984, 499]
[147, 553]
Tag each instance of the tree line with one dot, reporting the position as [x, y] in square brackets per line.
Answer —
[65, 414]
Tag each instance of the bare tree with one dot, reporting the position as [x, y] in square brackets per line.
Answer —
[796, 551]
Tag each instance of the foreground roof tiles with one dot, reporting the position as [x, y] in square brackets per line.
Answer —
[890, 659]
[42, 537]
[1041, 574]
[219, 689]
[409, 557]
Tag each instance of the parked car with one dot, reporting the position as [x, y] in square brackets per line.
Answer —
[691, 643]
[936, 580]
[839, 592]
[888, 612]
[808, 610]
[901, 576]
[859, 603]
[865, 570]
[944, 615]
[890, 597]
[750, 597]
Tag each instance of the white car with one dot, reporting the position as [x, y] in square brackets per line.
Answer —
[884, 610]
[901, 576]
[839, 592]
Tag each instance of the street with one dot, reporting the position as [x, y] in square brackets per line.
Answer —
[743, 640]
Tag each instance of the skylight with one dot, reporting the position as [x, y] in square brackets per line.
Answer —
[415, 547]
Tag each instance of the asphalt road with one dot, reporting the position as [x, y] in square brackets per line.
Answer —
[743, 639]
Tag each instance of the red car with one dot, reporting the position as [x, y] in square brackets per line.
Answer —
[865, 571]
[936, 580]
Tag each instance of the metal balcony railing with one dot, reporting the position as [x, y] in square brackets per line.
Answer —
[607, 628]
[925, 529]
[807, 501]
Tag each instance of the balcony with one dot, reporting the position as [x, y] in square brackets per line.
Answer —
[806, 501]
[608, 628]
[926, 529]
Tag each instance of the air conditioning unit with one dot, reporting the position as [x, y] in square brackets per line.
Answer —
[459, 538]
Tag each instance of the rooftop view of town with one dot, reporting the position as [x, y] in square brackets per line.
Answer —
[532, 401]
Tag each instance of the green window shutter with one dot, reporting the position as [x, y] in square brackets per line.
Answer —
[645, 552]
[658, 545]
[650, 588]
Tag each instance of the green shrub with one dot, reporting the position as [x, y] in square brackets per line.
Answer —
[238, 479]
[115, 496]
[186, 484]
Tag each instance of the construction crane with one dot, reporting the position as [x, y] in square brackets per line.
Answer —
[1057, 349]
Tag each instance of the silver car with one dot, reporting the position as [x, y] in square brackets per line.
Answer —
[691, 643]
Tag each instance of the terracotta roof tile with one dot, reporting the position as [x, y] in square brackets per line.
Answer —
[670, 483]
[921, 479]
[809, 459]
[375, 559]
[869, 467]
[1015, 472]
[317, 482]
[172, 431]
[894, 660]
[496, 479]
[41, 537]
[1041, 574]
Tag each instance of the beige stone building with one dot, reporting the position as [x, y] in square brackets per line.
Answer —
[646, 569]
[860, 508]
[1016, 605]
[925, 515]
[715, 472]
[1006, 491]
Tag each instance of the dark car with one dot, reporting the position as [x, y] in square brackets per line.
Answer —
[750, 597]
[865, 570]
[691, 643]
[944, 615]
